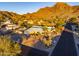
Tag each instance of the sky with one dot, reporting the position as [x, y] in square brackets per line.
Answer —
[27, 7]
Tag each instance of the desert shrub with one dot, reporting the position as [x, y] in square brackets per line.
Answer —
[8, 47]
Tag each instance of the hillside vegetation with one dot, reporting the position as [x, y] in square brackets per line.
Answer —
[47, 16]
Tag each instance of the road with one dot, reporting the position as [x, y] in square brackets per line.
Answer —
[66, 44]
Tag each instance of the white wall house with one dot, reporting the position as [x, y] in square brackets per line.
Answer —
[34, 29]
[9, 25]
[50, 28]
[37, 29]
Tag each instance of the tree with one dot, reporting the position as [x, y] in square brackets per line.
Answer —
[44, 28]
[73, 20]
[8, 47]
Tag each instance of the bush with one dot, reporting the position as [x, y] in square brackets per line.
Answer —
[8, 47]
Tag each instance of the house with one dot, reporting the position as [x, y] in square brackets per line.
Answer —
[50, 28]
[7, 22]
[20, 30]
[37, 29]
[34, 29]
[9, 25]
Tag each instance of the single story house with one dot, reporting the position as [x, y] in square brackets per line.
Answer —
[37, 29]
[34, 29]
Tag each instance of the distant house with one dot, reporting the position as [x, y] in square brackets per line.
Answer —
[20, 30]
[9, 26]
[37, 29]
[7, 22]
[34, 29]
[50, 28]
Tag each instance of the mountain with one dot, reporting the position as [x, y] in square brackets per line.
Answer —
[46, 15]
[58, 9]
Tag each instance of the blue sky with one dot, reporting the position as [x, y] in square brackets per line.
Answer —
[27, 7]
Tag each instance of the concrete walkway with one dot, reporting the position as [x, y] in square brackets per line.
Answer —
[66, 44]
